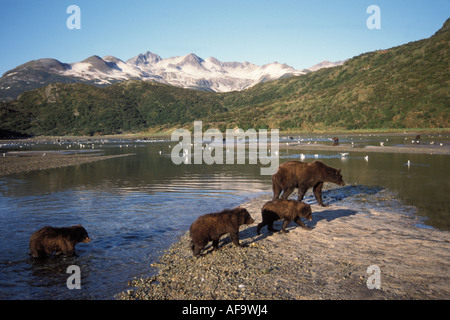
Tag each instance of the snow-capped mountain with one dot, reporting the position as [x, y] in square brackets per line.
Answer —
[188, 71]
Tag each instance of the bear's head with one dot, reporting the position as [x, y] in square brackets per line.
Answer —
[79, 234]
[337, 178]
[304, 210]
[245, 217]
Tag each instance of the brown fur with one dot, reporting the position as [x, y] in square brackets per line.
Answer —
[335, 141]
[296, 174]
[48, 240]
[289, 210]
[210, 227]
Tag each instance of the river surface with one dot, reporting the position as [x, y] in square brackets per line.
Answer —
[135, 207]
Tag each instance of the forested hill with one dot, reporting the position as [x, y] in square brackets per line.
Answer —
[402, 87]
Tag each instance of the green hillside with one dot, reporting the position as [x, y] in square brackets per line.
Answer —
[402, 87]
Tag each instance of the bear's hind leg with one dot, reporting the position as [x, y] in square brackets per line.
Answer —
[270, 227]
[260, 226]
[287, 192]
[301, 194]
[276, 191]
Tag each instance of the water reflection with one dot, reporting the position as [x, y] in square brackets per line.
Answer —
[132, 207]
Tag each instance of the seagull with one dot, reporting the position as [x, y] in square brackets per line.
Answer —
[302, 156]
[381, 144]
[366, 158]
[344, 154]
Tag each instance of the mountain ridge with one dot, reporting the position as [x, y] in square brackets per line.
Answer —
[188, 71]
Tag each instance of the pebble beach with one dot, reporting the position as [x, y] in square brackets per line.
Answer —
[361, 228]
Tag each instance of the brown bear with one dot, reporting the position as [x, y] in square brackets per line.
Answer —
[296, 174]
[48, 240]
[211, 226]
[335, 141]
[289, 210]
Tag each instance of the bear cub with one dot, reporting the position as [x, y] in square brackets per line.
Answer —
[48, 240]
[289, 210]
[211, 226]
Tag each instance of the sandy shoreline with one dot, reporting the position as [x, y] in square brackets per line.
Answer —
[417, 149]
[359, 229]
[23, 162]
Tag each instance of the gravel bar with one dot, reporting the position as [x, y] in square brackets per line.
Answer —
[364, 226]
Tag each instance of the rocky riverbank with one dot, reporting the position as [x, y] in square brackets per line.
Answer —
[364, 226]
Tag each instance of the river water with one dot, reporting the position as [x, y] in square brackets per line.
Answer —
[134, 207]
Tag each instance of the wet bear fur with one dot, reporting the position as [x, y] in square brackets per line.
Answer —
[210, 227]
[289, 210]
[49, 240]
[301, 175]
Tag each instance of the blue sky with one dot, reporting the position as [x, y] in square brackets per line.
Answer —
[299, 33]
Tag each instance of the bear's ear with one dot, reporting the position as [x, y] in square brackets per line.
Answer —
[339, 171]
[243, 210]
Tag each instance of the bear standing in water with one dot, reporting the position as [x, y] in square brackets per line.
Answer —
[210, 227]
[296, 174]
[48, 240]
[289, 210]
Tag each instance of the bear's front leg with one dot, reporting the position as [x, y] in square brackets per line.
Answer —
[235, 238]
[317, 189]
[285, 224]
[215, 244]
[68, 248]
[301, 224]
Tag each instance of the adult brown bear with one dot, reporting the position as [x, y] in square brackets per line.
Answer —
[289, 210]
[211, 226]
[48, 240]
[296, 174]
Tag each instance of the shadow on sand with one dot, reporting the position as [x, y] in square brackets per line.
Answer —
[330, 197]
[249, 235]
[334, 195]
